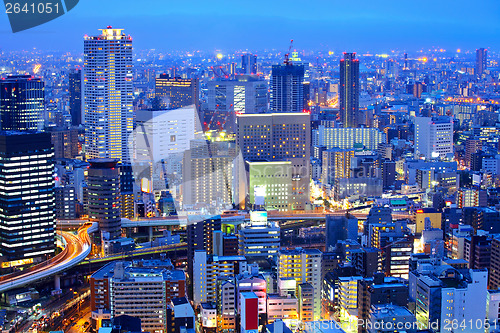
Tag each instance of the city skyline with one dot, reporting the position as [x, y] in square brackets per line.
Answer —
[322, 25]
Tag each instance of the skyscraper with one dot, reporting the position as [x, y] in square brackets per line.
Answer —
[349, 90]
[481, 61]
[27, 221]
[104, 196]
[108, 94]
[287, 88]
[249, 63]
[175, 92]
[75, 96]
[22, 100]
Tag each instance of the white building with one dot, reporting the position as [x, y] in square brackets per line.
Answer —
[284, 308]
[443, 295]
[206, 270]
[259, 237]
[108, 94]
[303, 265]
[433, 136]
[347, 138]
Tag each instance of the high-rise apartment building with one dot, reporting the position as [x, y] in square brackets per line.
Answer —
[433, 136]
[27, 203]
[481, 61]
[176, 92]
[75, 96]
[22, 103]
[287, 88]
[108, 95]
[336, 163]
[304, 266]
[349, 90]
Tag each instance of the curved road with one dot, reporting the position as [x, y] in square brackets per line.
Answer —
[77, 249]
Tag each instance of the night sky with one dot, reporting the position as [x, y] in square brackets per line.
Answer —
[362, 25]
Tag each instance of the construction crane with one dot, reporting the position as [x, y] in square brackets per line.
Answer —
[287, 55]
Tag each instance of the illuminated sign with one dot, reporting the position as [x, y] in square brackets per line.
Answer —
[15, 263]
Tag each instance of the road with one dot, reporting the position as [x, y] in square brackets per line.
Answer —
[77, 249]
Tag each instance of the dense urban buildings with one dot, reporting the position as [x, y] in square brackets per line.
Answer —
[214, 191]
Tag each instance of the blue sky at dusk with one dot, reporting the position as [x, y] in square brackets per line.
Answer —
[257, 24]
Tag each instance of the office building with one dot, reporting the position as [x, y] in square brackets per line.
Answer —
[249, 64]
[26, 198]
[243, 94]
[287, 88]
[349, 90]
[108, 95]
[75, 96]
[176, 92]
[481, 61]
[279, 137]
[259, 238]
[304, 266]
[207, 174]
[270, 185]
[140, 289]
[433, 136]
[22, 103]
[103, 190]
[348, 138]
